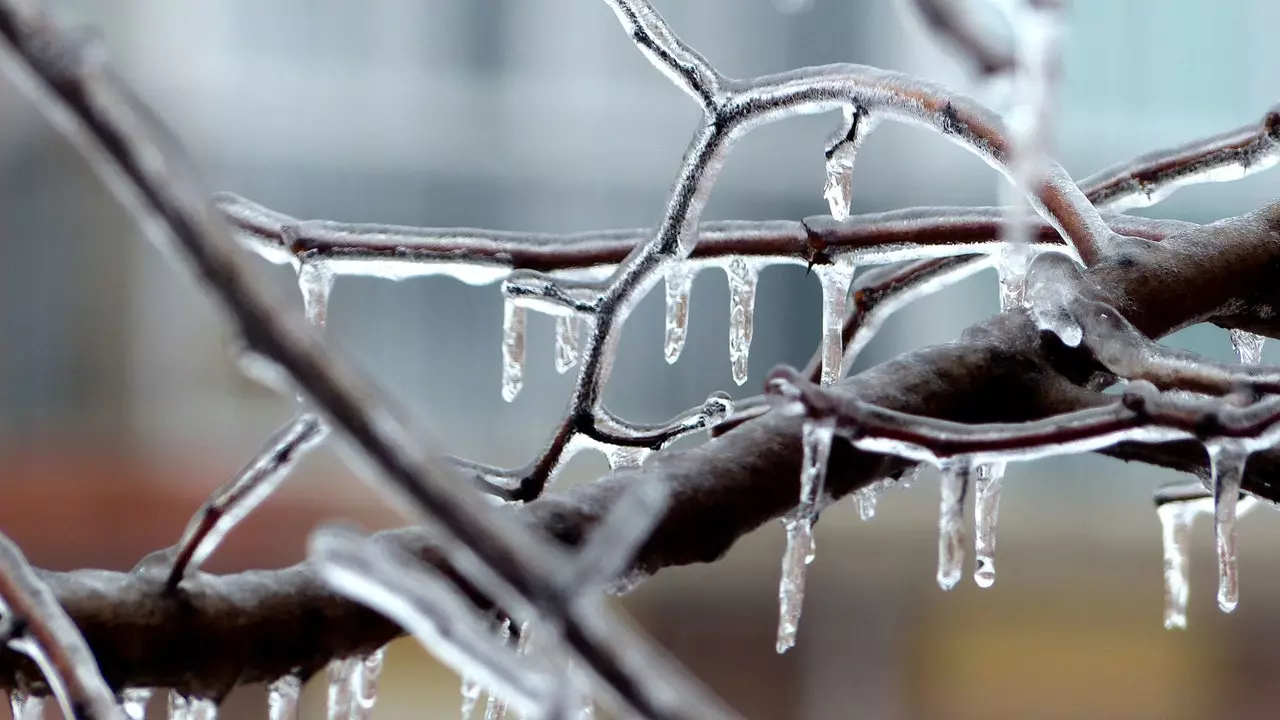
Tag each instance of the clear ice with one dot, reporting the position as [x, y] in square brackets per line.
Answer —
[679, 285]
[282, 698]
[26, 706]
[1248, 346]
[955, 485]
[1227, 462]
[202, 709]
[742, 301]
[179, 706]
[471, 689]
[623, 457]
[838, 190]
[1175, 530]
[134, 702]
[568, 332]
[835, 281]
[315, 280]
[1011, 268]
[800, 550]
[513, 324]
[866, 498]
[986, 510]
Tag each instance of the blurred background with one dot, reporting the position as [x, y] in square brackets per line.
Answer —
[121, 407]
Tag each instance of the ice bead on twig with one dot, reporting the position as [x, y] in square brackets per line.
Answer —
[800, 551]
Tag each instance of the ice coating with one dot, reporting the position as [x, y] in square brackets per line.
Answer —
[800, 550]
[513, 325]
[986, 510]
[1248, 346]
[742, 300]
[282, 698]
[679, 286]
[1227, 461]
[568, 331]
[134, 702]
[315, 280]
[955, 485]
[608, 551]
[835, 280]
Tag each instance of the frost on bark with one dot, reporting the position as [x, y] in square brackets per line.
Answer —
[499, 559]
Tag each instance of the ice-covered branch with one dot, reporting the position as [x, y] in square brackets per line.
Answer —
[680, 63]
[36, 625]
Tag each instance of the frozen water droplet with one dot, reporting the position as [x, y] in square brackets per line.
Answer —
[800, 551]
[955, 485]
[315, 280]
[364, 690]
[513, 324]
[835, 281]
[1227, 461]
[1011, 267]
[26, 706]
[134, 702]
[282, 698]
[986, 510]
[1175, 531]
[621, 458]
[679, 285]
[742, 301]
[470, 697]
[568, 330]
[1248, 346]
[179, 706]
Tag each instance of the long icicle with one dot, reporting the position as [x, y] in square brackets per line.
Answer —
[1227, 461]
[800, 550]
[955, 485]
[986, 510]
[1175, 532]
[742, 301]
[835, 280]
[679, 287]
[513, 323]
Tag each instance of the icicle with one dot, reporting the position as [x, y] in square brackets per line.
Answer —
[179, 706]
[282, 698]
[955, 485]
[1227, 461]
[315, 280]
[470, 697]
[26, 706]
[986, 510]
[341, 674]
[835, 281]
[1247, 345]
[621, 457]
[1175, 531]
[841, 149]
[134, 701]
[495, 708]
[679, 285]
[568, 329]
[513, 321]
[865, 498]
[742, 301]
[800, 550]
[202, 709]
[364, 688]
[1011, 267]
